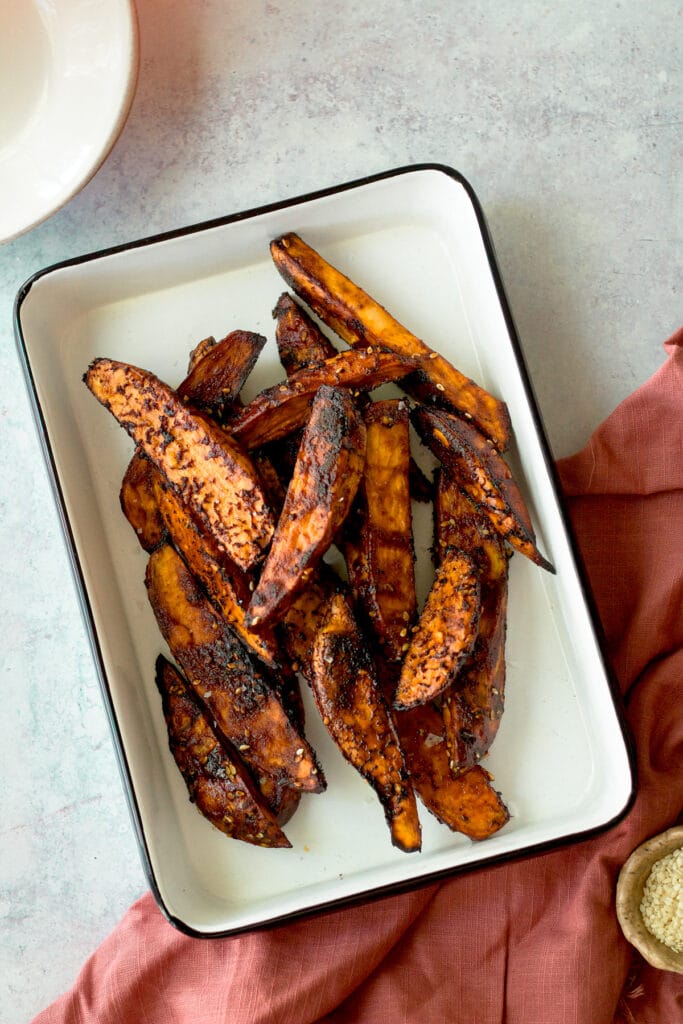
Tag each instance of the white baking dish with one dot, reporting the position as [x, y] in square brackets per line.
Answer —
[415, 239]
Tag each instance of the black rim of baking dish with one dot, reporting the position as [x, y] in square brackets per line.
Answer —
[418, 881]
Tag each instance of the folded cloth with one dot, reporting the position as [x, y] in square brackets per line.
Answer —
[531, 942]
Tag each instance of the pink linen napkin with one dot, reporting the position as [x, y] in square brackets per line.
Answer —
[531, 942]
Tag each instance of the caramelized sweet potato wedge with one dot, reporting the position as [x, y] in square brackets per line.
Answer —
[445, 633]
[216, 378]
[245, 709]
[139, 504]
[472, 708]
[281, 409]
[228, 589]
[468, 804]
[324, 483]
[300, 342]
[304, 618]
[217, 782]
[484, 475]
[215, 480]
[380, 555]
[210, 385]
[357, 717]
[361, 321]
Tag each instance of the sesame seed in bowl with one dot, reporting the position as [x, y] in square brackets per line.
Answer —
[649, 900]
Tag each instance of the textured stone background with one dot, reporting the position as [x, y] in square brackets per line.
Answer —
[566, 118]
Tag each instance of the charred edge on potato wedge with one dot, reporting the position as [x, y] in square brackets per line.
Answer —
[244, 708]
[229, 590]
[484, 476]
[445, 633]
[217, 783]
[324, 483]
[300, 342]
[283, 408]
[357, 718]
[472, 709]
[360, 320]
[215, 480]
[381, 568]
[217, 378]
[139, 504]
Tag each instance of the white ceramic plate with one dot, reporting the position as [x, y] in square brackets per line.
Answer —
[67, 76]
[415, 239]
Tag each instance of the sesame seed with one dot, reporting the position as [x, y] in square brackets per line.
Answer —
[662, 904]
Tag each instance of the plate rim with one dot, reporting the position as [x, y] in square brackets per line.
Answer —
[418, 881]
[129, 11]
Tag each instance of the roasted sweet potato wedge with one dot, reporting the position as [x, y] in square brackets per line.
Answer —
[209, 385]
[445, 633]
[361, 321]
[245, 709]
[324, 483]
[380, 555]
[300, 342]
[216, 379]
[304, 618]
[217, 782]
[283, 408]
[472, 708]
[228, 589]
[215, 480]
[139, 504]
[357, 717]
[468, 804]
[484, 476]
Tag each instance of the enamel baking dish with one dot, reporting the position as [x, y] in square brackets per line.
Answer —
[415, 239]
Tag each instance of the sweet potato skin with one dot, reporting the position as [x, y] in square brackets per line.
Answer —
[282, 409]
[324, 483]
[213, 477]
[360, 320]
[445, 633]
[216, 378]
[378, 542]
[355, 714]
[246, 711]
[217, 783]
[484, 476]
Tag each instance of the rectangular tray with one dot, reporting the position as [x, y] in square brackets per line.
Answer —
[415, 239]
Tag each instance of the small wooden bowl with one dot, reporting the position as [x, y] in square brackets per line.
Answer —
[632, 878]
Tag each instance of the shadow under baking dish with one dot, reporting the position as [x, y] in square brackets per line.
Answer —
[415, 239]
